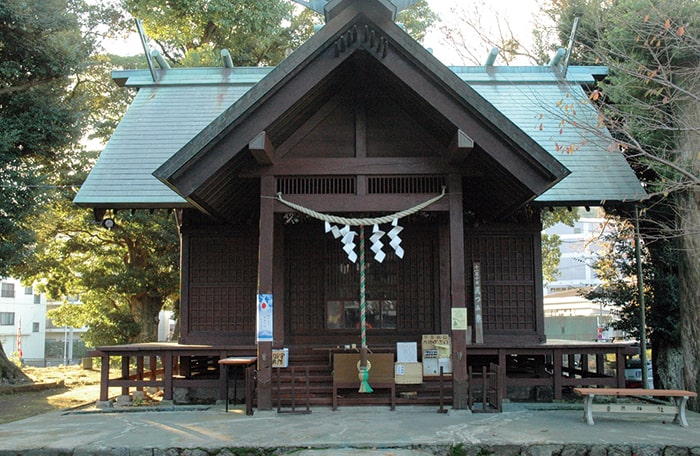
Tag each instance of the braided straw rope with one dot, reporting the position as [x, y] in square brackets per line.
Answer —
[359, 221]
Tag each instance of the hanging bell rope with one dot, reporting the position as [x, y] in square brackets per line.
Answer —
[364, 366]
[359, 221]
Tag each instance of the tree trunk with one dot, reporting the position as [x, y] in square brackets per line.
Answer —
[688, 210]
[9, 372]
[145, 310]
[668, 366]
[689, 284]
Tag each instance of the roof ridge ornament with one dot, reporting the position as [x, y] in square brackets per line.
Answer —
[370, 38]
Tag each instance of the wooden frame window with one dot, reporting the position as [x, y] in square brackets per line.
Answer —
[345, 314]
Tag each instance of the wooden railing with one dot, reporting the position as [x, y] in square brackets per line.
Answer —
[483, 389]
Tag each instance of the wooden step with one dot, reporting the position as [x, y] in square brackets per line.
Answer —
[320, 388]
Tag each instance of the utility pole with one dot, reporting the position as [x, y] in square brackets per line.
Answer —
[642, 310]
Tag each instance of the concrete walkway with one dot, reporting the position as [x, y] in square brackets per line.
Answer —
[532, 429]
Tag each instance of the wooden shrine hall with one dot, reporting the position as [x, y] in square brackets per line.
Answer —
[361, 194]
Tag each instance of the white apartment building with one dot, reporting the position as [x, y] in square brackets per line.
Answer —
[578, 246]
[23, 323]
[568, 315]
[22, 319]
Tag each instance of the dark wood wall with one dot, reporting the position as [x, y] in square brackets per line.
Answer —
[510, 262]
[220, 283]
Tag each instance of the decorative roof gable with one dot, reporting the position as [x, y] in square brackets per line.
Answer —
[361, 40]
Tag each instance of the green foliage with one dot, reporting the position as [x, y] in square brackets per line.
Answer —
[457, 450]
[56, 349]
[191, 31]
[616, 266]
[123, 276]
[41, 46]
[417, 19]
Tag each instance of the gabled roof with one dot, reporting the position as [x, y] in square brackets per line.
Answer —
[360, 39]
[174, 125]
[162, 118]
[558, 115]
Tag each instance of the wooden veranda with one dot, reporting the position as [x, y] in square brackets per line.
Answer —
[539, 372]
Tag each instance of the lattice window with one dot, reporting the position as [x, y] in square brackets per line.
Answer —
[223, 283]
[304, 284]
[417, 275]
[507, 280]
[405, 184]
[316, 185]
[227, 309]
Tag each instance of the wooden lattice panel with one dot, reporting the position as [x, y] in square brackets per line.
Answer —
[417, 290]
[316, 185]
[405, 184]
[507, 280]
[304, 283]
[223, 281]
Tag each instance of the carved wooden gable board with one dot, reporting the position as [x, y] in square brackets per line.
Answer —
[406, 104]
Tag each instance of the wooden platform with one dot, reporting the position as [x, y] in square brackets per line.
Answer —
[166, 366]
[557, 366]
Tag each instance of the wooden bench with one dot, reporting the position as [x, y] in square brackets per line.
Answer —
[381, 374]
[677, 407]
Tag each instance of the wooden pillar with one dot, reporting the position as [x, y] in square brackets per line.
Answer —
[125, 373]
[104, 377]
[457, 292]
[600, 363]
[139, 371]
[620, 367]
[502, 375]
[557, 374]
[266, 285]
[167, 360]
[278, 286]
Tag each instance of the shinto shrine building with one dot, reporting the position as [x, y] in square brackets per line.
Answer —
[453, 165]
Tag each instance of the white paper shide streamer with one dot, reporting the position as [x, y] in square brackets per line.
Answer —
[347, 236]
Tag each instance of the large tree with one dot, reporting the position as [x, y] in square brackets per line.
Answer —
[41, 47]
[650, 102]
[123, 275]
[191, 32]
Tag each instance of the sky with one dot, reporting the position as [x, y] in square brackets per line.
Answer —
[518, 14]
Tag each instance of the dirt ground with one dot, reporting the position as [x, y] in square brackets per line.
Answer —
[80, 387]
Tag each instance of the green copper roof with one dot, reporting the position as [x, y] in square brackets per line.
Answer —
[165, 115]
[561, 119]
